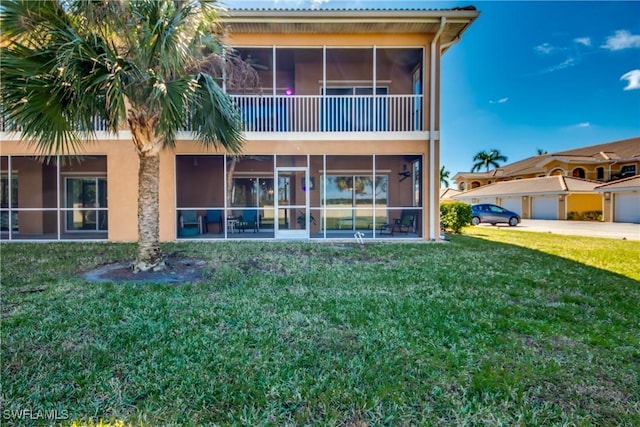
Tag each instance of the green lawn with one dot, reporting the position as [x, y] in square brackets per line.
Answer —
[496, 327]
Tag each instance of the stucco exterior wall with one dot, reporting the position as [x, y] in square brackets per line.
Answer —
[122, 161]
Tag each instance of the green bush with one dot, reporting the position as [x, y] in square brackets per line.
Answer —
[585, 216]
[454, 216]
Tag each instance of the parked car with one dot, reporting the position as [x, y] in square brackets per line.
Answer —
[493, 214]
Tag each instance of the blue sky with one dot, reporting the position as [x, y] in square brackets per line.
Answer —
[529, 75]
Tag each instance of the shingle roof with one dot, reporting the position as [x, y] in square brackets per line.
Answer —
[546, 185]
[626, 183]
[624, 149]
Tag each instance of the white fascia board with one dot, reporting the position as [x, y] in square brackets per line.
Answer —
[319, 15]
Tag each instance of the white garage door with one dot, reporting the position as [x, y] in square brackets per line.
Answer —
[513, 204]
[627, 207]
[545, 208]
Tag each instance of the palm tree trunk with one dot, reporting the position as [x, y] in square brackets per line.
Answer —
[148, 255]
[148, 146]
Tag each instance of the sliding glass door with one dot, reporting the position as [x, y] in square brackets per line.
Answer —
[350, 199]
[292, 203]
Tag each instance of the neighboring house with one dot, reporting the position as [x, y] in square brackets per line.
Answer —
[602, 163]
[553, 197]
[342, 136]
[621, 200]
[446, 194]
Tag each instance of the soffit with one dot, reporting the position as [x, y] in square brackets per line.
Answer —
[350, 21]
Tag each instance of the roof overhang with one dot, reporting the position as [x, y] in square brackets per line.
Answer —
[472, 175]
[336, 21]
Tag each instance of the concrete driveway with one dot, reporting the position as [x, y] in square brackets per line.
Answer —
[611, 230]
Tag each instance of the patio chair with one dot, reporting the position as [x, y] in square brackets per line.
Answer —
[248, 219]
[404, 224]
[214, 217]
[188, 219]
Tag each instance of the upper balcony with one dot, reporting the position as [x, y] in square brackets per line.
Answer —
[326, 90]
[317, 113]
[320, 89]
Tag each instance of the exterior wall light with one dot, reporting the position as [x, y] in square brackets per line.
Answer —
[607, 195]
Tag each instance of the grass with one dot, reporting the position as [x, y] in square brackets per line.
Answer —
[496, 327]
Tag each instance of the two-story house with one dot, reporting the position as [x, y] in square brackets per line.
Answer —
[598, 180]
[341, 132]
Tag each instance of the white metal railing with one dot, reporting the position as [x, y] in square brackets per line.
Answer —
[317, 113]
[98, 124]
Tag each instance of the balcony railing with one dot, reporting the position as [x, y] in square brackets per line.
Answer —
[97, 123]
[317, 113]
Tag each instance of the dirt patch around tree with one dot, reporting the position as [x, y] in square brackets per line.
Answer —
[179, 269]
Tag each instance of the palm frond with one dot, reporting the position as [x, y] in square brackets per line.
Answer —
[216, 120]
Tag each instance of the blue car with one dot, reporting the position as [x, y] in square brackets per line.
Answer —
[493, 214]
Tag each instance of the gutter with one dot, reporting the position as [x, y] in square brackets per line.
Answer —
[433, 203]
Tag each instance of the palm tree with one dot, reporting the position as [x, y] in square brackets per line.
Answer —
[444, 177]
[487, 160]
[68, 62]
[541, 151]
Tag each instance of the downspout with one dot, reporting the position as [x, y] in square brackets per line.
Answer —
[432, 129]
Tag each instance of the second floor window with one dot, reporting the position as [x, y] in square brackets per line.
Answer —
[628, 170]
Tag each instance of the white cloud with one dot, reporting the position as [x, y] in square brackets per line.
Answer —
[622, 39]
[633, 79]
[569, 62]
[315, 4]
[544, 49]
[500, 101]
[583, 125]
[586, 41]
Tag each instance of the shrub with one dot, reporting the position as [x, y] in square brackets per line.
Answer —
[454, 216]
[585, 216]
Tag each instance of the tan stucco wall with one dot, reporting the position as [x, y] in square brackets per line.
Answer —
[526, 207]
[562, 207]
[607, 207]
[122, 184]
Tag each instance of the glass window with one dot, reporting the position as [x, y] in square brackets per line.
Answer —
[83, 198]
